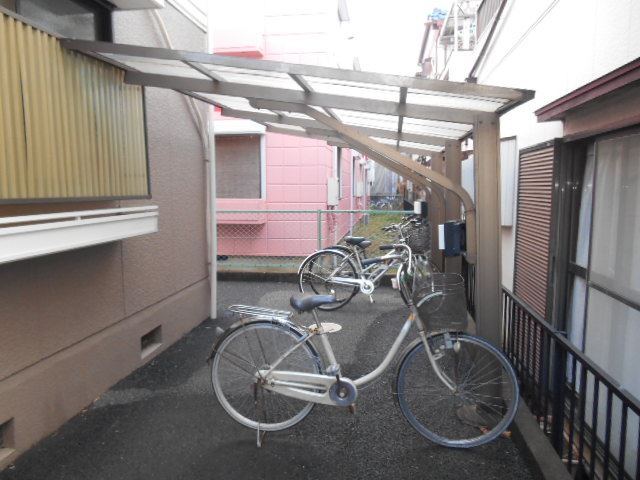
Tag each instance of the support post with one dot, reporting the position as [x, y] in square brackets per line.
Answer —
[437, 215]
[453, 167]
[486, 163]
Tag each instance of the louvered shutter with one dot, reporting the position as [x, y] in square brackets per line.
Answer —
[533, 227]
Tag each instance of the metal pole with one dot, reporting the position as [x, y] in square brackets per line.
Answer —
[452, 167]
[319, 221]
[211, 180]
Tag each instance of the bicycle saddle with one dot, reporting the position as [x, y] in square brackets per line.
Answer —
[305, 302]
[355, 240]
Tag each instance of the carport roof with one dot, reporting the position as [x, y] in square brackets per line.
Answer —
[414, 115]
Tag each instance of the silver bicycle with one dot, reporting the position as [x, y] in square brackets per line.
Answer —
[455, 389]
[344, 270]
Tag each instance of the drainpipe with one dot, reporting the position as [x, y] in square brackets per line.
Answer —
[472, 74]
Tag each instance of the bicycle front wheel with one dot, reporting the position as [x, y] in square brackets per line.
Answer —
[318, 272]
[239, 356]
[482, 403]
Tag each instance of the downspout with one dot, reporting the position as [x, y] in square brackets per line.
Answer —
[472, 74]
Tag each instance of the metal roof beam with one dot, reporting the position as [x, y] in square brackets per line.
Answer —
[374, 132]
[419, 173]
[437, 86]
[323, 100]
[402, 101]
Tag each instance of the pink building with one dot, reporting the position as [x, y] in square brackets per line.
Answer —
[260, 170]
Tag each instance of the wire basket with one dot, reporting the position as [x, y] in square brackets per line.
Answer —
[440, 299]
[418, 237]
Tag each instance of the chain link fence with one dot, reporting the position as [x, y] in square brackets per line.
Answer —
[276, 241]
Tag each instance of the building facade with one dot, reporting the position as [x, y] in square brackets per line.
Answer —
[570, 175]
[75, 322]
[262, 170]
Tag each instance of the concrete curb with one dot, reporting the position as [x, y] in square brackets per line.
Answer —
[536, 446]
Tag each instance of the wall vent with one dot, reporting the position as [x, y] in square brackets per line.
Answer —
[150, 342]
[7, 443]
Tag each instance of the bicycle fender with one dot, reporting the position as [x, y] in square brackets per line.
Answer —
[316, 252]
[249, 321]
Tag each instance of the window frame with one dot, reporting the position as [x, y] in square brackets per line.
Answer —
[246, 128]
[567, 197]
[104, 33]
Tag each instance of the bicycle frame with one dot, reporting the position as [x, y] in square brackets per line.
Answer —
[316, 387]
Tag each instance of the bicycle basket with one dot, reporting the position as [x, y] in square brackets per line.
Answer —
[418, 237]
[440, 299]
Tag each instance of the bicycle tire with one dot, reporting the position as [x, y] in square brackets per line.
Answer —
[234, 380]
[457, 423]
[318, 284]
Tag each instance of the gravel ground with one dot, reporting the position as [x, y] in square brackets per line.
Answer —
[163, 421]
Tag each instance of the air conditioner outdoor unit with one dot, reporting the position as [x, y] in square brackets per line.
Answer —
[138, 4]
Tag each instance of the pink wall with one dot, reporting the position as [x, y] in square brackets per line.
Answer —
[297, 169]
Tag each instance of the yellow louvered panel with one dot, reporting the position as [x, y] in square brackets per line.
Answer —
[69, 126]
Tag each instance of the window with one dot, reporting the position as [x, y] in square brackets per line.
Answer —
[239, 165]
[603, 308]
[83, 19]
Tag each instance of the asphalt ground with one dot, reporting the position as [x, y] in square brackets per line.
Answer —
[164, 422]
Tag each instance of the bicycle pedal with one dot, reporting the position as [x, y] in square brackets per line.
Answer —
[352, 408]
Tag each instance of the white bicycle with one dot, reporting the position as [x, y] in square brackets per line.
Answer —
[455, 389]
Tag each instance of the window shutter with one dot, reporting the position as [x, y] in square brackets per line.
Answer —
[533, 228]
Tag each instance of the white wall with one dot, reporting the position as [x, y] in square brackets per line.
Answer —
[553, 47]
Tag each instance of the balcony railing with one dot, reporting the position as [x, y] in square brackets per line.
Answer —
[486, 11]
[592, 422]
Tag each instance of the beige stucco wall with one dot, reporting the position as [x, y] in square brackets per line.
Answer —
[71, 322]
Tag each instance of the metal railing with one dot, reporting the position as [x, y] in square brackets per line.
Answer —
[276, 241]
[592, 422]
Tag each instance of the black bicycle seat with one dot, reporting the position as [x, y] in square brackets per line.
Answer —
[305, 302]
[354, 240]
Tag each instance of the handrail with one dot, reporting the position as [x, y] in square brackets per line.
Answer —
[78, 214]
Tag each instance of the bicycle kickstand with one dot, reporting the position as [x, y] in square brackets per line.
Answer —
[371, 300]
[260, 436]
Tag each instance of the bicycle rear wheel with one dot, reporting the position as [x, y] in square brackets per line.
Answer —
[317, 272]
[238, 357]
[483, 403]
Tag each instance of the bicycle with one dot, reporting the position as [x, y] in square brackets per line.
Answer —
[454, 389]
[344, 270]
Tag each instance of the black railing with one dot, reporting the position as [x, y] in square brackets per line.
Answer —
[591, 421]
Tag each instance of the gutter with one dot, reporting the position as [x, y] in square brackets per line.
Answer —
[472, 74]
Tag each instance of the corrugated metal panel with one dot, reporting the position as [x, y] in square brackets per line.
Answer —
[533, 230]
[69, 126]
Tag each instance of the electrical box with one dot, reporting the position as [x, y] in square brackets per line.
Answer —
[452, 238]
[359, 191]
[333, 191]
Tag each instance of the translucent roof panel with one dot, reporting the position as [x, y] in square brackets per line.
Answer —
[253, 77]
[366, 119]
[235, 103]
[439, 99]
[419, 146]
[435, 128]
[353, 89]
[174, 68]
